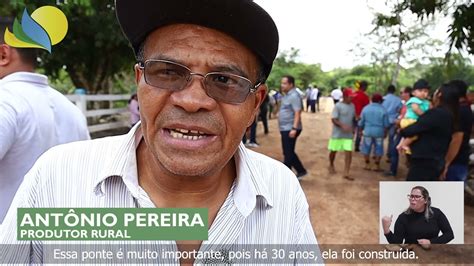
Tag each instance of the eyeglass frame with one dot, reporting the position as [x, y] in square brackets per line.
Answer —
[410, 196]
[252, 87]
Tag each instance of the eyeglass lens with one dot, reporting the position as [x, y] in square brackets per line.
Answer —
[221, 86]
[416, 197]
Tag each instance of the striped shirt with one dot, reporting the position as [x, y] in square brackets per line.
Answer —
[265, 206]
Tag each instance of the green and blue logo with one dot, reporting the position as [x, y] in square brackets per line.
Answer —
[45, 27]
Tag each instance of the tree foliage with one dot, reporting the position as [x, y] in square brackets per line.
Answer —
[305, 74]
[94, 49]
[461, 29]
[436, 70]
[441, 70]
[95, 54]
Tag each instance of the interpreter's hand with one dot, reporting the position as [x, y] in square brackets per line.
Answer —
[424, 243]
[292, 134]
[386, 223]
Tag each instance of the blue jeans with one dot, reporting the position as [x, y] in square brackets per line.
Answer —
[358, 136]
[291, 159]
[253, 133]
[368, 143]
[392, 131]
[457, 172]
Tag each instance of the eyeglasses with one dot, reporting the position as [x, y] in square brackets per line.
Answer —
[221, 86]
[414, 197]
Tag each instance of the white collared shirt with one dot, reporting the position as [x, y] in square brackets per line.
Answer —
[266, 204]
[33, 118]
[314, 94]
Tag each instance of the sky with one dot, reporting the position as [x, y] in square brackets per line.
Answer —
[325, 31]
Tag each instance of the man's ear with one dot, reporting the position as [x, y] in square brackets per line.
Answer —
[138, 73]
[260, 95]
[6, 53]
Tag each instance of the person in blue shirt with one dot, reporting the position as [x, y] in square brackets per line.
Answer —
[393, 105]
[289, 121]
[374, 123]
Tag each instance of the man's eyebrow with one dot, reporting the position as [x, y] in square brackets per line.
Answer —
[232, 69]
[167, 58]
[216, 68]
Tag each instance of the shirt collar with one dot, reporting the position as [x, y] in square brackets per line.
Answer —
[249, 185]
[116, 165]
[27, 77]
[292, 90]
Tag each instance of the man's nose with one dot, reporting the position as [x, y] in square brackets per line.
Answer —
[193, 97]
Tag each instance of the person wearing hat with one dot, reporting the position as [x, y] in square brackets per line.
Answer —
[341, 140]
[416, 106]
[360, 100]
[374, 124]
[200, 70]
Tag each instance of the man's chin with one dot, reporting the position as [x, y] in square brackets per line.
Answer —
[190, 167]
[190, 171]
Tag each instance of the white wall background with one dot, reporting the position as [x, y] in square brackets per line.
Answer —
[446, 196]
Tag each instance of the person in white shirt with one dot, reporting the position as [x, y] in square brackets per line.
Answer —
[33, 118]
[336, 94]
[313, 97]
[198, 92]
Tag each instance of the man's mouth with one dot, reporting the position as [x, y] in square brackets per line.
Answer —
[179, 133]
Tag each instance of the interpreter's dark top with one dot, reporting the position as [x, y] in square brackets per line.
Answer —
[434, 129]
[465, 122]
[411, 227]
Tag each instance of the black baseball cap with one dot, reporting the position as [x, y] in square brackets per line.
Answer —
[421, 84]
[243, 20]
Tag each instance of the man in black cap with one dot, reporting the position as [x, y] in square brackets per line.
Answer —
[200, 69]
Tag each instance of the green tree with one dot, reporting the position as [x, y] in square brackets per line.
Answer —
[395, 43]
[441, 70]
[94, 49]
[462, 18]
[287, 63]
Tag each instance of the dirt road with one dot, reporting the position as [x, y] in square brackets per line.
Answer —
[342, 212]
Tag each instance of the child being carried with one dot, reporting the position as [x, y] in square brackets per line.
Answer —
[416, 106]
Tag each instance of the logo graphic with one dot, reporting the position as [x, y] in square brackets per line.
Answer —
[45, 27]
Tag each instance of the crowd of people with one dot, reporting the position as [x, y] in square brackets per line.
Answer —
[430, 127]
[286, 103]
[185, 148]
